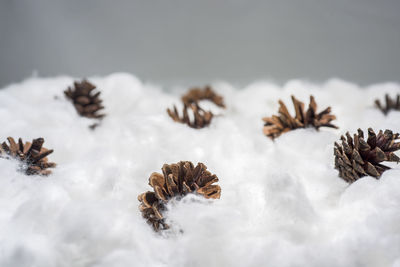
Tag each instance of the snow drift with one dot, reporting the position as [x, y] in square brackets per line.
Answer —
[282, 202]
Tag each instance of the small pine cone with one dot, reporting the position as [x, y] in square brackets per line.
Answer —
[356, 158]
[32, 155]
[202, 118]
[177, 180]
[197, 94]
[276, 125]
[391, 104]
[86, 103]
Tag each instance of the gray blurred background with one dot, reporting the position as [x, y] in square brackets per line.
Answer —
[193, 42]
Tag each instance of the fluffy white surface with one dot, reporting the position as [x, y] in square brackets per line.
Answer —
[282, 202]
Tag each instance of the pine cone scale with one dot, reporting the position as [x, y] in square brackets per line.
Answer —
[43, 155]
[209, 180]
[185, 188]
[298, 107]
[211, 191]
[13, 146]
[364, 147]
[149, 198]
[357, 157]
[357, 167]
[171, 186]
[392, 157]
[156, 179]
[371, 170]
[160, 193]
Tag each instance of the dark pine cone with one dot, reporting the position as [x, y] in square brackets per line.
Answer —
[197, 94]
[391, 104]
[86, 103]
[276, 125]
[177, 180]
[356, 158]
[32, 155]
[201, 119]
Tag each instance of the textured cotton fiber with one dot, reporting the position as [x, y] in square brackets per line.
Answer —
[282, 202]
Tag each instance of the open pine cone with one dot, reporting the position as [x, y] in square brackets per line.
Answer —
[191, 101]
[86, 103]
[356, 158]
[391, 104]
[201, 119]
[32, 155]
[177, 180]
[197, 94]
[276, 125]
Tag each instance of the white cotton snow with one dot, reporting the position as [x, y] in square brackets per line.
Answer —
[282, 202]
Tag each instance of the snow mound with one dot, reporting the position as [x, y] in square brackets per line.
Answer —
[282, 203]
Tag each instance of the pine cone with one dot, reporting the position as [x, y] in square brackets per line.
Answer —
[196, 94]
[356, 158]
[177, 180]
[391, 104]
[86, 103]
[32, 155]
[202, 118]
[276, 125]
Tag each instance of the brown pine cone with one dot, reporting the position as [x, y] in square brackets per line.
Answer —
[32, 155]
[197, 94]
[202, 118]
[276, 125]
[391, 104]
[356, 158]
[86, 103]
[177, 180]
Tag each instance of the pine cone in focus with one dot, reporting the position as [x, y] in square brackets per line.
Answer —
[356, 158]
[391, 104]
[177, 180]
[201, 119]
[86, 103]
[196, 94]
[32, 155]
[276, 125]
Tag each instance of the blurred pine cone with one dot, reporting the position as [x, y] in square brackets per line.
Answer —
[86, 103]
[197, 94]
[201, 118]
[356, 158]
[191, 99]
[32, 155]
[391, 104]
[276, 125]
[177, 180]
